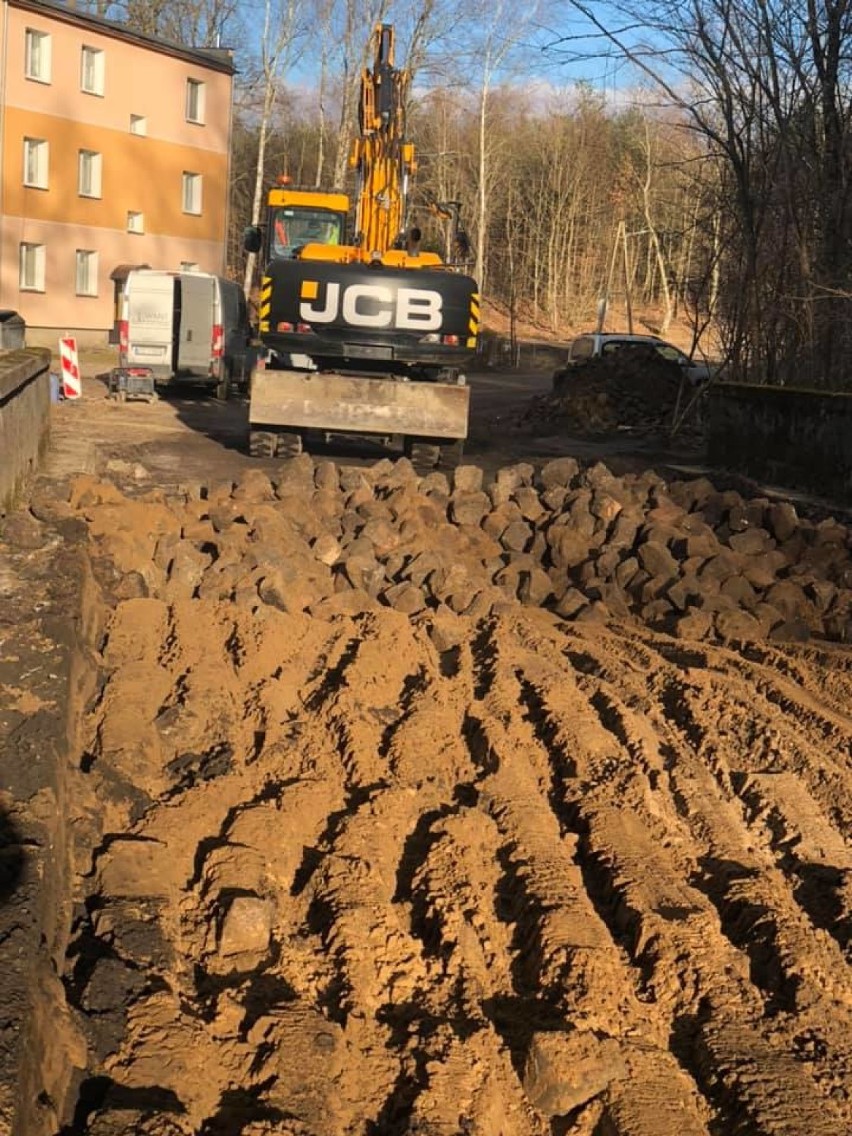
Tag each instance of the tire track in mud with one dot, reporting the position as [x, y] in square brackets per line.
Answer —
[342, 880]
[796, 968]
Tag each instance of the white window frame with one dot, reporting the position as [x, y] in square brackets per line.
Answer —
[138, 125]
[135, 221]
[89, 168]
[96, 55]
[191, 193]
[86, 272]
[195, 100]
[37, 55]
[36, 163]
[31, 262]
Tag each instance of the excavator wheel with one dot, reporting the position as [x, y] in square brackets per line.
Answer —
[450, 455]
[289, 444]
[422, 454]
[262, 443]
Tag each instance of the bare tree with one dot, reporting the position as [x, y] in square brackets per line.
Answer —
[765, 84]
[196, 23]
[281, 32]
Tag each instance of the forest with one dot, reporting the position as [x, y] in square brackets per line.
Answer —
[692, 157]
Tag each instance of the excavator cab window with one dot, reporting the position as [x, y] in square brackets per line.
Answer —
[292, 228]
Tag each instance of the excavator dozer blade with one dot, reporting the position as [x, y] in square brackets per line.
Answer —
[304, 400]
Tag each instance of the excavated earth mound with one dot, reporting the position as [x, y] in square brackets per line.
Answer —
[633, 390]
[400, 808]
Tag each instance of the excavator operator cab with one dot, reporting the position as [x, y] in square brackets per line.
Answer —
[292, 227]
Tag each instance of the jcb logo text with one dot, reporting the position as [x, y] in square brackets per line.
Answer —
[371, 305]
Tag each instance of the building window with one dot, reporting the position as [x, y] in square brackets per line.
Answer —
[191, 193]
[87, 272]
[194, 101]
[89, 174]
[92, 71]
[138, 124]
[135, 222]
[37, 56]
[35, 163]
[31, 268]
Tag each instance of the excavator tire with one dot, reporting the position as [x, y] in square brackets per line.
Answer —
[262, 443]
[422, 454]
[289, 444]
[275, 443]
[450, 455]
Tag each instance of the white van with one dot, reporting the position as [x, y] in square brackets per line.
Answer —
[185, 326]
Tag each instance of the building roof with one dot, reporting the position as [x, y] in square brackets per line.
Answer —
[216, 58]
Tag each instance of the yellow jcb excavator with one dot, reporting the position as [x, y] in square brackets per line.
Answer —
[368, 335]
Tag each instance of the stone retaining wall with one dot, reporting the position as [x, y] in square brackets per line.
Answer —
[24, 417]
[793, 438]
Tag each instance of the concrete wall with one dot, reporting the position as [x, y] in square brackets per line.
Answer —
[24, 417]
[792, 438]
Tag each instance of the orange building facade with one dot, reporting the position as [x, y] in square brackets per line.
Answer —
[114, 152]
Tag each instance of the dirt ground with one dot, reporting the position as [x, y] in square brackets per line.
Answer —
[516, 802]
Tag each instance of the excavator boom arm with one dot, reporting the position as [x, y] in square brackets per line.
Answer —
[383, 159]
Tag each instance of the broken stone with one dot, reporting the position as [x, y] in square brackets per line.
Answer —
[516, 536]
[528, 503]
[656, 559]
[535, 587]
[559, 473]
[253, 485]
[694, 625]
[570, 603]
[468, 508]
[326, 549]
[405, 597]
[326, 476]
[750, 542]
[568, 546]
[246, 927]
[467, 479]
[791, 630]
[737, 625]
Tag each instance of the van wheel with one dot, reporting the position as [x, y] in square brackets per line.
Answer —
[223, 387]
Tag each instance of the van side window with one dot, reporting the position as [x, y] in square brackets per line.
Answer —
[582, 348]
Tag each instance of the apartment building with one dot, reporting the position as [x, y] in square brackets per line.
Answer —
[114, 153]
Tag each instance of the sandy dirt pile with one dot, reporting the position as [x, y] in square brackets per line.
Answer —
[371, 842]
[633, 390]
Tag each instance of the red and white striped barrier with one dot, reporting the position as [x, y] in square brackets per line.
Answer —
[72, 386]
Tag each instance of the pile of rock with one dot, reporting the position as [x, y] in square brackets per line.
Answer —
[681, 557]
[634, 390]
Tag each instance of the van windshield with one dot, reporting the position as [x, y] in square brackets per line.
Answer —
[292, 228]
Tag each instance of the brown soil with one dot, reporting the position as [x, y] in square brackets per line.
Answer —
[632, 390]
[403, 805]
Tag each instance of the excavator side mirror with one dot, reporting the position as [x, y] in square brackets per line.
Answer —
[252, 239]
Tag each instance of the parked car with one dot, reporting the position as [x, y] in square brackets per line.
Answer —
[595, 345]
[185, 326]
